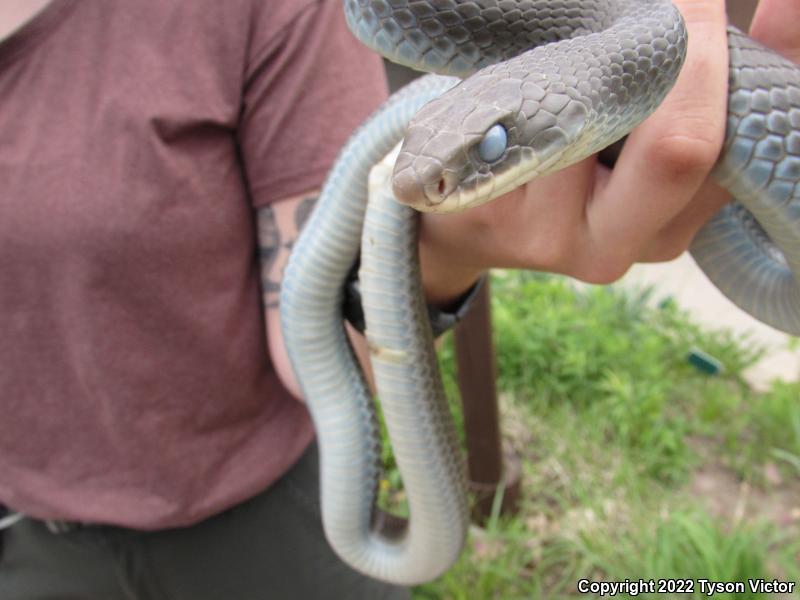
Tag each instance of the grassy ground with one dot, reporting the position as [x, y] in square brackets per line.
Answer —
[636, 464]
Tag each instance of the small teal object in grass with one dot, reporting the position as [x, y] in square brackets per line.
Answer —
[666, 303]
[704, 362]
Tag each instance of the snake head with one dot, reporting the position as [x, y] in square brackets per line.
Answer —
[485, 137]
[439, 164]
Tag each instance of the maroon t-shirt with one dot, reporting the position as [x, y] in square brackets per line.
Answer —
[137, 138]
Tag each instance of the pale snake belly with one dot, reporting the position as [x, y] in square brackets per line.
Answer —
[596, 70]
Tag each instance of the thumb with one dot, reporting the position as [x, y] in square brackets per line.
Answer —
[776, 24]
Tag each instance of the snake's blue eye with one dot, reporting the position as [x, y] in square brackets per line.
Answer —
[493, 144]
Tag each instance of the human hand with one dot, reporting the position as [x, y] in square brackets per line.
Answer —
[592, 223]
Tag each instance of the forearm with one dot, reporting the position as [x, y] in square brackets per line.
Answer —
[278, 228]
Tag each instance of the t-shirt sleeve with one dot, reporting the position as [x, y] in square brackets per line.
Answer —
[307, 86]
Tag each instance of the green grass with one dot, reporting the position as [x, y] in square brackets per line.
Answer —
[687, 545]
[618, 361]
[613, 425]
[505, 563]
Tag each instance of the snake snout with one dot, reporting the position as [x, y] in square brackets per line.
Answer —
[422, 184]
[407, 188]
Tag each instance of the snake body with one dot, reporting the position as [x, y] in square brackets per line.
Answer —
[337, 396]
[597, 68]
[751, 249]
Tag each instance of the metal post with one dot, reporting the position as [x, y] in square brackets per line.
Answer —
[489, 468]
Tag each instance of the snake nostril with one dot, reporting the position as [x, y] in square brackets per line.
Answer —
[442, 186]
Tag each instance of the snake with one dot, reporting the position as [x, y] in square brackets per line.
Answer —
[517, 89]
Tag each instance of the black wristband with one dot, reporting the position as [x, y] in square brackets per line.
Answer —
[441, 320]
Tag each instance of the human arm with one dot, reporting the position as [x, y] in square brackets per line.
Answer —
[278, 226]
[306, 87]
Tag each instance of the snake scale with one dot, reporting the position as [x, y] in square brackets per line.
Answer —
[525, 87]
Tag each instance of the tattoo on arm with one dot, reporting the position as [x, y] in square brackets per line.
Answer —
[277, 232]
[269, 246]
[303, 211]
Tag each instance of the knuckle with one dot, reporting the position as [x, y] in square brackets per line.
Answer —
[685, 154]
[702, 11]
[665, 248]
[666, 252]
[673, 249]
[672, 252]
[603, 271]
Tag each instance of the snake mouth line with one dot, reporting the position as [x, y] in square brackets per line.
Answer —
[501, 183]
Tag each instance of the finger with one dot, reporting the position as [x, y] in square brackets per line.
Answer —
[667, 158]
[776, 24]
[674, 238]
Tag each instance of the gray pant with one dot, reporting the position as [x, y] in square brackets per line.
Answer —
[270, 547]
